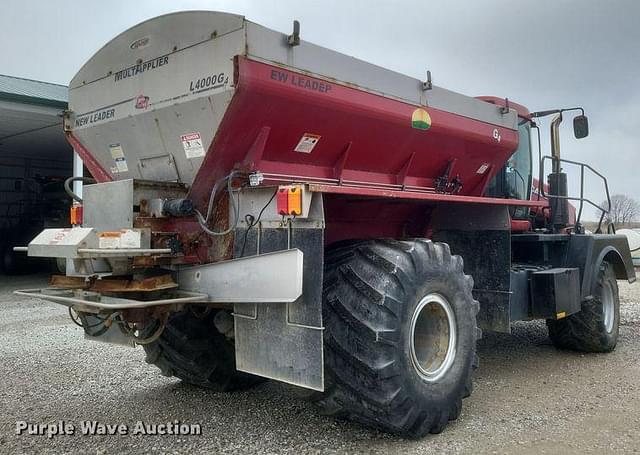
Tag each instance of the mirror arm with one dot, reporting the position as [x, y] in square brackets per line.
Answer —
[556, 111]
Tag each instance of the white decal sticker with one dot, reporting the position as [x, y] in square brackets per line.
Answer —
[125, 238]
[118, 156]
[130, 239]
[192, 144]
[109, 240]
[307, 143]
[496, 135]
[482, 169]
[58, 236]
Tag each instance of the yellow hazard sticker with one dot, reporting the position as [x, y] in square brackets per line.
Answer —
[420, 119]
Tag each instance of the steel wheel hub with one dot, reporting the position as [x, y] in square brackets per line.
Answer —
[433, 337]
[608, 307]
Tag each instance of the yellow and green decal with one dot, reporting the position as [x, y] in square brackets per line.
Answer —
[420, 119]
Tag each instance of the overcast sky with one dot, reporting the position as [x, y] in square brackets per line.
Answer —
[543, 54]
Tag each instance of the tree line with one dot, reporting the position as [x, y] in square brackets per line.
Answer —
[624, 210]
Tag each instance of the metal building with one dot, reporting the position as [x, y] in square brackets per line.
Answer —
[35, 158]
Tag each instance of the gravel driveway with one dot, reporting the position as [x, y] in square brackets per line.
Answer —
[528, 397]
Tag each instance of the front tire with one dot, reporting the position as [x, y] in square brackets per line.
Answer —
[595, 328]
[400, 335]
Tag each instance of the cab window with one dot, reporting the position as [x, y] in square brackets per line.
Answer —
[518, 168]
[514, 180]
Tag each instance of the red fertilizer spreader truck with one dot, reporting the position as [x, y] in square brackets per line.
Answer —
[262, 207]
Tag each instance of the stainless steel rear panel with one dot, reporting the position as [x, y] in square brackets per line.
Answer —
[148, 104]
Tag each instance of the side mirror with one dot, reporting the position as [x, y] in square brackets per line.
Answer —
[580, 126]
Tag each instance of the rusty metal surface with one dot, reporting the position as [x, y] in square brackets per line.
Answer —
[68, 282]
[183, 235]
[156, 283]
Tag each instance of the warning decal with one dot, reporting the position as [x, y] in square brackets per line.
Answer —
[307, 143]
[192, 145]
[125, 238]
[118, 156]
[483, 168]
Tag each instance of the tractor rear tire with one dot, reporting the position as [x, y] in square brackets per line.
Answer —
[400, 335]
[193, 350]
[595, 328]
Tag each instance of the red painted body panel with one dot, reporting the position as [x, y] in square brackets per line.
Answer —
[364, 137]
[97, 171]
[361, 212]
[543, 202]
[353, 217]
[520, 225]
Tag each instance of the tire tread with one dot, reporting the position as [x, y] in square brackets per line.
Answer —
[191, 349]
[364, 381]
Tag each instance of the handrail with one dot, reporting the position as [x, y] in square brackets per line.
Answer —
[582, 199]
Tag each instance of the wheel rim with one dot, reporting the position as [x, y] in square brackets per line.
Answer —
[433, 337]
[608, 307]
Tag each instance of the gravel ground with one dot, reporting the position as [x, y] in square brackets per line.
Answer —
[528, 397]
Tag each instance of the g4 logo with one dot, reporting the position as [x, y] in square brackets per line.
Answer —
[496, 135]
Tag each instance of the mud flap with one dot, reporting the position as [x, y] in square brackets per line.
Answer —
[481, 235]
[283, 341]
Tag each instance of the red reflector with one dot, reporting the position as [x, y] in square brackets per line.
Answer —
[282, 201]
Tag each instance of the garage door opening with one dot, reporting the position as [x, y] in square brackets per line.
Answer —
[35, 159]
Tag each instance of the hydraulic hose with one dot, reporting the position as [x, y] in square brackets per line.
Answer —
[70, 180]
[236, 209]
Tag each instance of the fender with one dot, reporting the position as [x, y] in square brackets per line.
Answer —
[587, 253]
